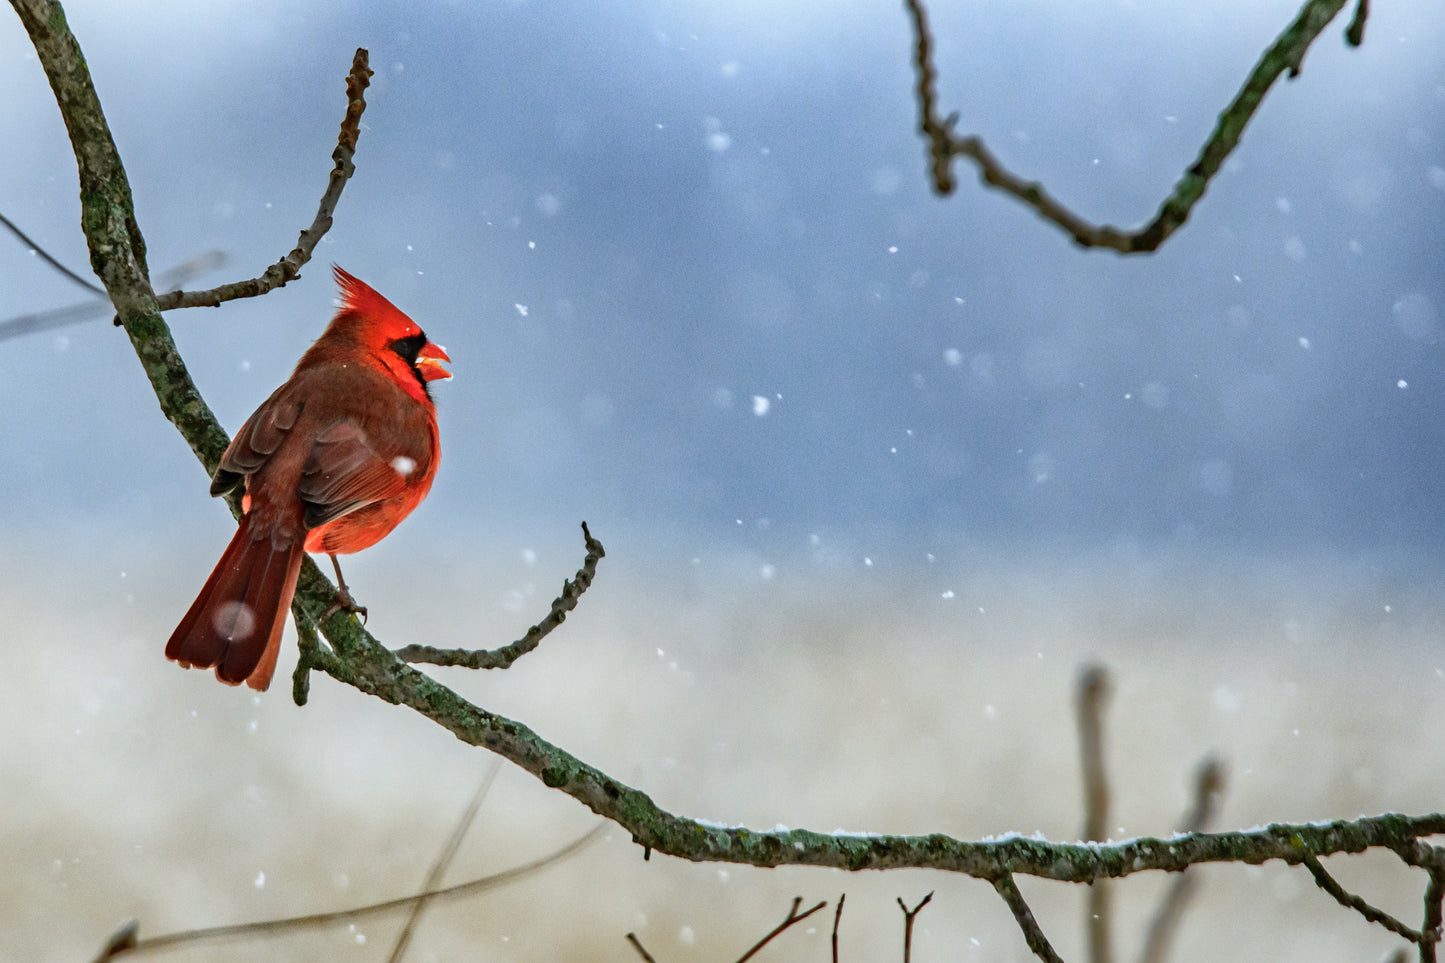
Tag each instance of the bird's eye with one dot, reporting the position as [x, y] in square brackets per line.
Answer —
[408, 347]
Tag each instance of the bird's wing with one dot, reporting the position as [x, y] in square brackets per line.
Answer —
[343, 473]
[257, 440]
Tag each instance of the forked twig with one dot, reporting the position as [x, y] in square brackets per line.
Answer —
[908, 916]
[793, 917]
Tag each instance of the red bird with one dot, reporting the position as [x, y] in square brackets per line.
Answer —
[332, 461]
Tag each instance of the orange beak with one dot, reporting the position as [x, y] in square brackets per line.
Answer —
[429, 362]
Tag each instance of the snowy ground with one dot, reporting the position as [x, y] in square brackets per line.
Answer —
[807, 695]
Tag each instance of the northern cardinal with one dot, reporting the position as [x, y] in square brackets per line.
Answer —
[332, 461]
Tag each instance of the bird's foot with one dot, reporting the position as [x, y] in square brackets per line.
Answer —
[343, 598]
[345, 603]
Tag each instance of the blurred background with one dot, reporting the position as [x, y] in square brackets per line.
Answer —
[876, 471]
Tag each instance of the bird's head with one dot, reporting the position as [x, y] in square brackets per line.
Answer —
[378, 325]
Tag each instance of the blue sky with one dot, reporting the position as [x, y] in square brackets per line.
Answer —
[630, 222]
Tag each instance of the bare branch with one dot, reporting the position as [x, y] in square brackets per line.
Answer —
[1284, 55]
[1208, 787]
[123, 940]
[837, 918]
[637, 945]
[45, 256]
[1432, 860]
[100, 307]
[1434, 904]
[117, 249]
[1349, 900]
[289, 267]
[444, 859]
[1355, 33]
[321, 920]
[908, 917]
[503, 657]
[793, 917]
[1091, 699]
[1033, 935]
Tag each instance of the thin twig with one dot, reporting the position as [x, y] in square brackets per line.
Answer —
[1033, 935]
[123, 940]
[793, 917]
[45, 256]
[1091, 699]
[444, 859]
[502, 658]
[1434, 908]
[837, 918]
[1284, 55]
[1432, 860]
[319, 920]
[289, 267]
[1355, 33]
[1349, 900]
[637, 945]
[1208, 788]
[100, 307]
[908, 917]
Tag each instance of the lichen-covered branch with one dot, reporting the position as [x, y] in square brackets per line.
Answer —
[1284, 56]
[1349, 900]
[107, 216]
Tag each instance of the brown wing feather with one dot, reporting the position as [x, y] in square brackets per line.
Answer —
[344, 473]
[257, 441]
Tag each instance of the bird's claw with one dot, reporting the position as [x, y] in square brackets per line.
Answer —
[344, 602]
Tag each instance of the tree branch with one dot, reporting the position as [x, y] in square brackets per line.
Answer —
[1208, 786]
[289, 267]
[1284, 55]
[837, 919]
[1349, 900]
[443, 861]
[1033, 935]
[793, 917]
[909, 915]
[1091, 699]
[641, 950]
[45, 256]
[356, 658]
[502, 658]
[124, 942]
[107, 216]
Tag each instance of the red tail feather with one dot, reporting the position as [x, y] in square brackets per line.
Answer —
[235, 623]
